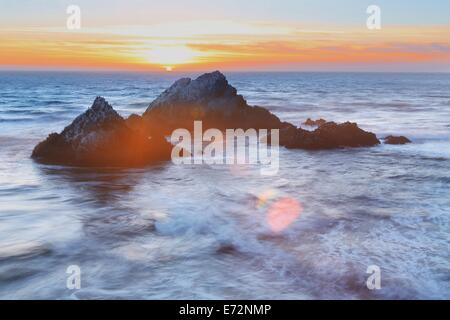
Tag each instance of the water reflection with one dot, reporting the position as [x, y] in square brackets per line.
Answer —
[100, 197]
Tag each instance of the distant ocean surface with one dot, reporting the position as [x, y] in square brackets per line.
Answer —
[201, 232]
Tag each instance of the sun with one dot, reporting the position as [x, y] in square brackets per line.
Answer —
[170, 56]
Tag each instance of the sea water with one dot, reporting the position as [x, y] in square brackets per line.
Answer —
[206, 232]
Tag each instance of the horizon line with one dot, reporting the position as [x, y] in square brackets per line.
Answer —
[212, 70]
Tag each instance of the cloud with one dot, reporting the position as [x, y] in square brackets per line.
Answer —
[224, 45]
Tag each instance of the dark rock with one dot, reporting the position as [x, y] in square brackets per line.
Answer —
[211, 99]
[328, 136]
[396, 140]
[137, 123]
[134, 121]
[226, 249]
[208, 98]
[314, 123]
[101, 137]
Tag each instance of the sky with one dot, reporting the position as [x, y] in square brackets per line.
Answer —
[250, 35]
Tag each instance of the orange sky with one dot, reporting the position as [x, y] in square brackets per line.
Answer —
[228, 45]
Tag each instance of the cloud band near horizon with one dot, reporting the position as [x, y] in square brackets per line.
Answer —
[188, 42]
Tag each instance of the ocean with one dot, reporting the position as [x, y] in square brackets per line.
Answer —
[204, 232]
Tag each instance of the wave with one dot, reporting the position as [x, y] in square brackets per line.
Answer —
[19, 119]
[53, 102]
[23, 250]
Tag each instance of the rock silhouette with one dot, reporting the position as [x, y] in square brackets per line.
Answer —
[396, 140]
[213, 100]
[101, 137]
[328, 136]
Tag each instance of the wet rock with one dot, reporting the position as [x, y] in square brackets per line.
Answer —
[396, 140]
[134, 121]
[137, 123]
[101, 137]
[328, 136]
[228, 249]
[211, 99]
[314, 123]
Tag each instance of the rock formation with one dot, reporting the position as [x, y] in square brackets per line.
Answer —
[101, 137]
[213, 100]
[208, 98]
[328, 136]
[396, 140]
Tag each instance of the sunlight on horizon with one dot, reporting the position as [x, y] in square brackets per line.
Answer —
[169, 57]
[228, 46]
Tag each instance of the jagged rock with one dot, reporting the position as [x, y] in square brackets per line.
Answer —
[328, 136]
[314, 123]
[396, 140]
[213, 100]
[209, 98]
[101, 137]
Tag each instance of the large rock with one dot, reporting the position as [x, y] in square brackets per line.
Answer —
[211, 99]
[101, 137]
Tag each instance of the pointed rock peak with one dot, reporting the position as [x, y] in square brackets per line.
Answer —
[99, 113]
[100, 105]
[101, 110]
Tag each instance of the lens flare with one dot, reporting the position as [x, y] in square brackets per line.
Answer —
[283, 213]
[264, 198]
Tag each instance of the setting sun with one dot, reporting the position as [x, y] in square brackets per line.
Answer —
[171, 56]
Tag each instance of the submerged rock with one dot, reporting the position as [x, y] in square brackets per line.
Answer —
[101, 137]
[227, 249]
[314, 123]
[396, 140]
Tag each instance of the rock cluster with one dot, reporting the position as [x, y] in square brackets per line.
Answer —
[101, 137]
[213, 100]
